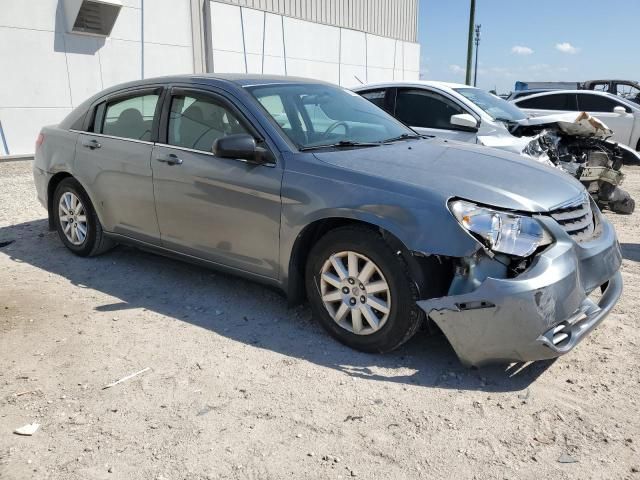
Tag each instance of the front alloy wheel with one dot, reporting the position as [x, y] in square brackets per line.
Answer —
[361, 291]
[355, 292]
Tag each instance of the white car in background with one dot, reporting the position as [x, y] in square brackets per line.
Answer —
[448, 110]
[574, 142]
[619, 114]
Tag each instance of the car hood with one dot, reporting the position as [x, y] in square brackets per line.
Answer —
[453, 169]
[580, 124]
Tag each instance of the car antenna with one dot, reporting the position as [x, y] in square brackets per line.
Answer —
[356, 77]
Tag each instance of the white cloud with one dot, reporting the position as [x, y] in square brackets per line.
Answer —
[521, 50]
[566, 47]
[457, 69]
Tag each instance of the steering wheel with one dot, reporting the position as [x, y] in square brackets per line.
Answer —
[335, 125]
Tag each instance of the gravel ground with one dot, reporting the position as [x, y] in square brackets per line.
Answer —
[239, 386]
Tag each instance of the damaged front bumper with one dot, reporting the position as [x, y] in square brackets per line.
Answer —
[543, 312]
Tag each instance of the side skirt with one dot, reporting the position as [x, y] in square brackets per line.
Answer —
[165, 252]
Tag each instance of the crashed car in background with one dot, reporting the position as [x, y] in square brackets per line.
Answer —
[578, 145]
[574, 142]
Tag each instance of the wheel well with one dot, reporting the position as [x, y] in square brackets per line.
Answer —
[313, 232]
[51, 188]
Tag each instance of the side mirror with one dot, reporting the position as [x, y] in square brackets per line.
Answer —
[620, 110]
[466, 121]
[241, 146]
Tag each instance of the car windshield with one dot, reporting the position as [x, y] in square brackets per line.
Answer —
[315, 116]
[497, 108]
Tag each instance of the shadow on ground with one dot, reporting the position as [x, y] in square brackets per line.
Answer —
[250, 313]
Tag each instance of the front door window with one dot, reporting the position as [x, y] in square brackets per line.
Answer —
[196, 123]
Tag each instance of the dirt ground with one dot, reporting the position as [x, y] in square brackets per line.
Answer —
[239, 386]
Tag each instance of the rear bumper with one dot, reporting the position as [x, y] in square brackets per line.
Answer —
[543, 313]
[41, 180]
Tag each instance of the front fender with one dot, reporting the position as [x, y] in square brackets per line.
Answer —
[422, 223]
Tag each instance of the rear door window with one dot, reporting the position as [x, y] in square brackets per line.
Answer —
[131, 117]
[378, 98]
[557, 101]
[596, 103]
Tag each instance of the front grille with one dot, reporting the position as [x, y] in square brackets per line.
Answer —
[576, 219]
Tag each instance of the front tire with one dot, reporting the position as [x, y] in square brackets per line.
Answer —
[360, 290]
[76, 220]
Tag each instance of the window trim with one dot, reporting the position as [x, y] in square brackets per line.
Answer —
[101, 135]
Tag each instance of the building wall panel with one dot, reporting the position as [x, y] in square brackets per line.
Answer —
[167, 22]
[83, 64]
[298, 47]
[353, 47]
[311, 41]
[389, 18]
[77, 66]
[253, 25]
[323, 39]
[21, 126]
[166, 59]
[226, 28]
[22, 82]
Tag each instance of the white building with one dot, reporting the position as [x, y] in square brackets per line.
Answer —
[56, 53]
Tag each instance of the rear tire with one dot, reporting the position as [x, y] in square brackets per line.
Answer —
[76, 221]
[344, 304]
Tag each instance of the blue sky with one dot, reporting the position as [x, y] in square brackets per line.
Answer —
[572, 40]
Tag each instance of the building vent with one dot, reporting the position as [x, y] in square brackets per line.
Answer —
[91, 17]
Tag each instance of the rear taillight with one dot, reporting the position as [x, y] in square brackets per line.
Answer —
[39, 140]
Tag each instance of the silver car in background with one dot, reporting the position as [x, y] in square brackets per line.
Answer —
[311, 188]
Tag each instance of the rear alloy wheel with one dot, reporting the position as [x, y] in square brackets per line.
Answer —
[76, 220]
[360, 290]
[73, 218]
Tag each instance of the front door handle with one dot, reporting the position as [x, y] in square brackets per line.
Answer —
[170, 159]
[92, 144]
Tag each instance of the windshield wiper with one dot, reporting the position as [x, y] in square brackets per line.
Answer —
[405, 136]
[341, 144]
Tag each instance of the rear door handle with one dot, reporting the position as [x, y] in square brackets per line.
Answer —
[92, 144]
[170, 159]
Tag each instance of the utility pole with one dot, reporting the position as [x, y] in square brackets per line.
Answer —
[472, 22]
[477, 41]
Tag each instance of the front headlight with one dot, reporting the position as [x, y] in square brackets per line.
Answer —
[501, 231]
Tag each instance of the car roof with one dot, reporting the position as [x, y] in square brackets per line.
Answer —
[247, 79]
[582, 92]
[554, 92]
[235, 79]
[531, 91]
[401, 83]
